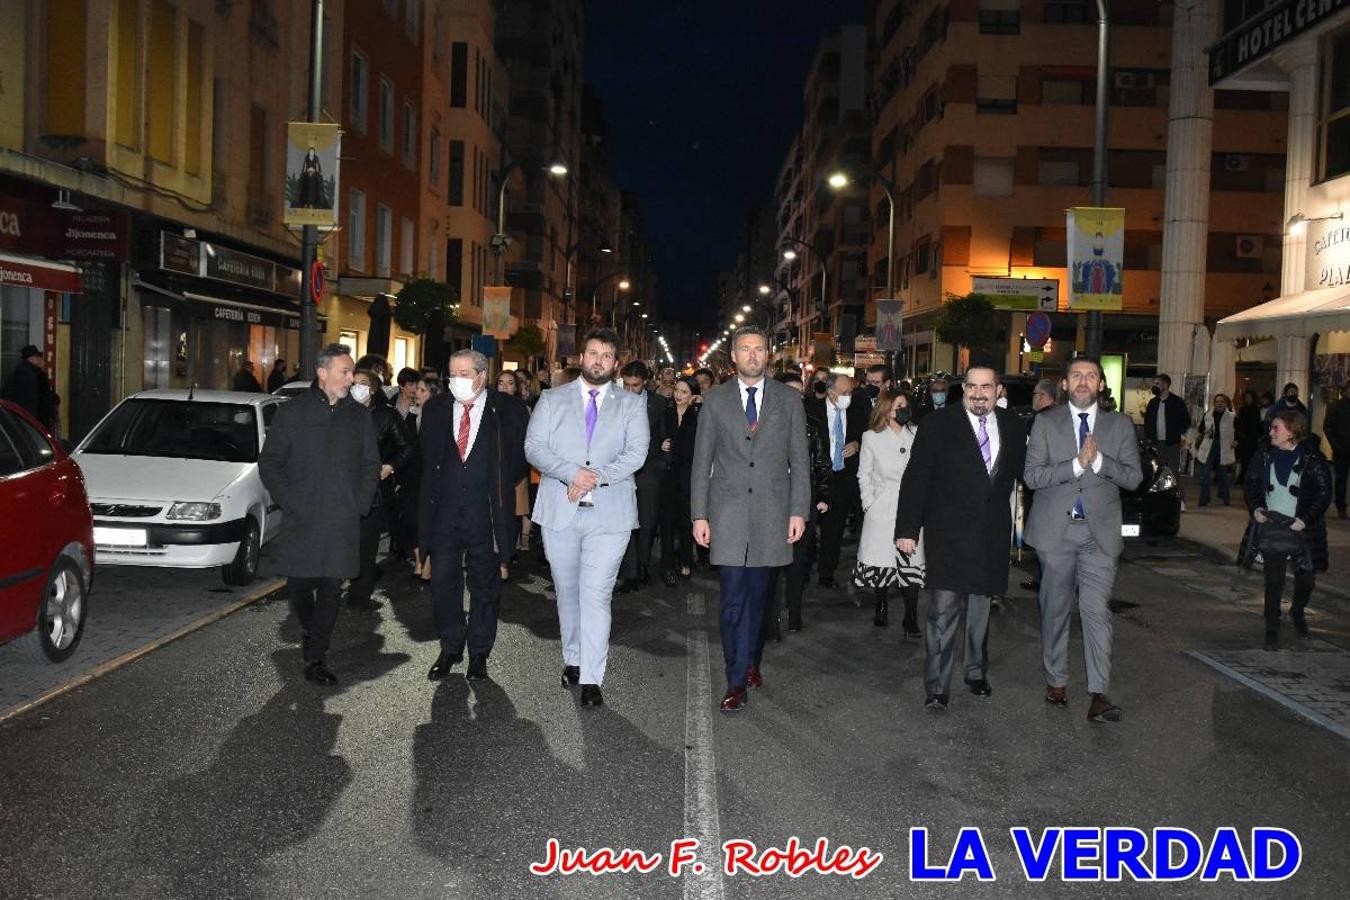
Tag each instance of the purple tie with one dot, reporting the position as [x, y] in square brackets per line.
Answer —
[984, 446]
[592, 413]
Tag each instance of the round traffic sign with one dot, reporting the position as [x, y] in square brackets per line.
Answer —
[1038, 329]
[316, 279]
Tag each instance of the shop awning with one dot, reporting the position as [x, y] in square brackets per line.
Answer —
[1293, 315]
[31, 272]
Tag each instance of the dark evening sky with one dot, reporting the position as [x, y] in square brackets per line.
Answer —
[701, 99]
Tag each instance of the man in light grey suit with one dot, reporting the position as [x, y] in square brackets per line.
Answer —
[587, 438]
[1079, 459]
[750, 494]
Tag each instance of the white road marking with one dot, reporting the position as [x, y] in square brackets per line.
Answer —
[700, 766]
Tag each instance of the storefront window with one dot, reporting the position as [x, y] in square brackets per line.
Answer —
[1333, 127]
[20, 324]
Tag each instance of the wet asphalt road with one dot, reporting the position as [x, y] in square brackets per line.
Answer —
[211, 769]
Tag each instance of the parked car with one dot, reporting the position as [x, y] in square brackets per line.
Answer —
[47, 564]
[173, 481]
[291, 388]
[1152, 510]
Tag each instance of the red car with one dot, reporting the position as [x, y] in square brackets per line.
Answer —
[47, 564]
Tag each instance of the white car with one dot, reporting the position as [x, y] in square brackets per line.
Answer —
[172, 477]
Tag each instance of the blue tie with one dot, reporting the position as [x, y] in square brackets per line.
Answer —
[1082, 436]
[838, 439]
[751, 415]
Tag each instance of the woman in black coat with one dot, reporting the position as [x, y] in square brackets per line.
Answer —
[396, 452]
[1287, 464]
[676, 525]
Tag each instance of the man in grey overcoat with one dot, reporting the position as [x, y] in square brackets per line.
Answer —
[1079, 459]
[321, 465]
[750, 496]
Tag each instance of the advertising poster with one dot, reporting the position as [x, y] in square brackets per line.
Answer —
[311, 174]
[1096, 253]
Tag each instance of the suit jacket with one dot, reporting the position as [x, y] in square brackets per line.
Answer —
[653, 470]
[962, 510]
[555, 444]
[501, 434]
[747, 483]
[1049, 472]
[855, 426]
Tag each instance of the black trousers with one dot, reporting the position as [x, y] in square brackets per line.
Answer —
[803, 554]
[1341, 465]
[315, 604]
[361, 588]
[1276, 565]
[639, 552]
[844, 502]
[677, 532]
[464, 552]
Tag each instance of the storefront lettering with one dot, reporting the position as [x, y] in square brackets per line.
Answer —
[1276, 26]
[1330, 258]
[14, 276]
[9, 224]
[237, 315]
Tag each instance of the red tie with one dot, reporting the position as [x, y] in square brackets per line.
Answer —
[463, 439]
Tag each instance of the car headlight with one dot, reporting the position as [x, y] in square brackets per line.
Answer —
[1165, 481]
[194, 512]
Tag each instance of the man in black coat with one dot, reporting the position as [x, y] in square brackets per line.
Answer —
[29, 387]
[396, 452]
[1165, 422]
[321, 465]
[956, 490]
[473, 453]
[843, 422]
[637, 560]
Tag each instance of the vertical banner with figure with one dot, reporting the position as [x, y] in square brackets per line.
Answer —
[1096, 238]
[497, 311]
[312, 174]
[888, 326]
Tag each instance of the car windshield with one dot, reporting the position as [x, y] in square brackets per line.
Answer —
[180, 429]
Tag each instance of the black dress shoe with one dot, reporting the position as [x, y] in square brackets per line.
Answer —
[477, 670]
[980, 687]
[570, 675]
[591, 696]
[442, 666]
[645, 576]
[936, 703]
[668, 578]
[317, 673]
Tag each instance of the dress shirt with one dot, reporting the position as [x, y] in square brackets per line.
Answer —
[829, 422]
[759, 394]
[586, 387]
[475, 419]
[1092, 428]
[991, 426]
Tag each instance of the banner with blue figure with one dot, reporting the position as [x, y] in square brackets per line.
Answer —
[1096, 251]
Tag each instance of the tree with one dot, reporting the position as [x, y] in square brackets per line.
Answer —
[966, 322]
[419, 300]
[528, 341]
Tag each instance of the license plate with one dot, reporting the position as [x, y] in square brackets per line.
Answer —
[120, 537]
[1129, 531]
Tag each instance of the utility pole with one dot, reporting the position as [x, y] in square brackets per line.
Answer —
[309, 241]
[1093, 331]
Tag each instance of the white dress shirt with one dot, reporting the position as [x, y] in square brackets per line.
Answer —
[830, 410]
[475, 419]
[1092, 426]
[586, 387]
[745, 396]
[991, 426]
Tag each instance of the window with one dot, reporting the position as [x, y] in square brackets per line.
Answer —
[351, 339]
[384, 240]
[456, 173]
[996, 94]
[459, 74]
[993, 176]
[356, 230]
[1057, 173]
[921, 253]
[409, 134]
[1067, 92]
[434, 158]
[33, 447]
[1333, 126]
[1000, 16]
[407, 248]
[1067, 12]
[196, 106]
[454, 266]
[128, 76]
[161, 81]
[360, 90]
[386, 115]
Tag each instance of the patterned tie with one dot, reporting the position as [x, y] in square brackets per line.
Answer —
[592, 413]
[838, 461]
[463, 439]
[1082, 436]
[751, 414]
[986, 450]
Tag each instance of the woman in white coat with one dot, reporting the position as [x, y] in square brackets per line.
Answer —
[1217, 448]
[885, 453]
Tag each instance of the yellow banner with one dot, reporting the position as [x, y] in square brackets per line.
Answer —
[1096, 250]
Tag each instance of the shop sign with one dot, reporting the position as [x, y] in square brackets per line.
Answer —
[239, 268]
[1019, 293]
[1259, 35]
[178, 254]
[1328, 255]
[865, 343]
[38, 276]
[38, 230]
[207, 260]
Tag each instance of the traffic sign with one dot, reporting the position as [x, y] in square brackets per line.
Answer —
[1019, 293]
[1038, 329]
[316, 281]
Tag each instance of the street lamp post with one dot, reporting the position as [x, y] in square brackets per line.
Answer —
[501, 240]
[838, 181]
[623, 285]
[790, 254]
[309, 235]
[1093, 327]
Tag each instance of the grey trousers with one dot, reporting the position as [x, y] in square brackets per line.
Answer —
[944, 613]
[1076, 568]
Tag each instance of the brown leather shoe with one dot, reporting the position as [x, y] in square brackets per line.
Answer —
[735, 700]
[1103, 710]
[752, 677]
[1056, 696]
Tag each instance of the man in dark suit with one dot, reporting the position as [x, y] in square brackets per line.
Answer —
[473, 453]
[1166, 419]
[637, 560]
[964, 465]
[837, 416]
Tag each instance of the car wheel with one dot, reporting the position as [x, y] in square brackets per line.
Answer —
[60, 617]
[245, 566]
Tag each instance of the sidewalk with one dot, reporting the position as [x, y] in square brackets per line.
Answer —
[1218, 529]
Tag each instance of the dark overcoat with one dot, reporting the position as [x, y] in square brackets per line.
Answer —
[320, 463]
[653, 472]
[1313, 499]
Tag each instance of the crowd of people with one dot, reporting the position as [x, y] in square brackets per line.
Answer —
[759, 478]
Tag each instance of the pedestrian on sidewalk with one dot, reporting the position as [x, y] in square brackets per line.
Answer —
[1288, 491]
[957, 492]
[1336, 427]
[245, 380]
[886, 450]
[750, 496]
[1288, 402]
[321, 465]
[587, 439]
[29, 387]
[1217, 448]
[396, 452]
[681, 428]
[1080, 457]
[1248, 428]
[1166, 421]
[472, 448]
[277, 379]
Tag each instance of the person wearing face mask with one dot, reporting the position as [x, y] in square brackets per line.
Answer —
[1217, 449]
[396, 452]
[938, 390]
[844, 422]
[885, 453]
[472, 447]
[1288, 402]
[321, 465]
[880, 381]
[1166, 420]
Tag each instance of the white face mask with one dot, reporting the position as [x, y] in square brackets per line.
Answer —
[360, 393]
[462, 389]
[843, 400]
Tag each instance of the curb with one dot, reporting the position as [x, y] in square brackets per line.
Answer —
[268, 590]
